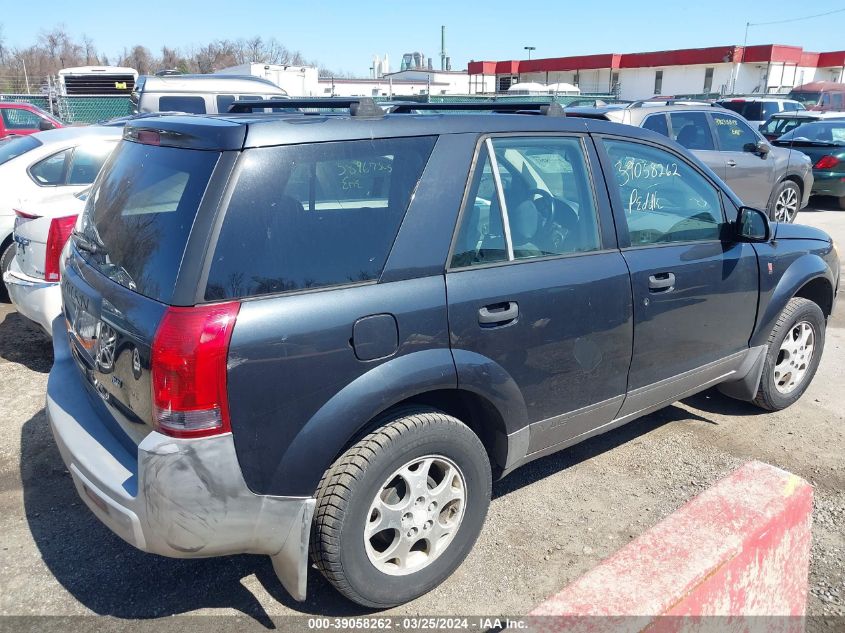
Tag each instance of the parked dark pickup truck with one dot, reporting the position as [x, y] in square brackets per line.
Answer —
[330, 331]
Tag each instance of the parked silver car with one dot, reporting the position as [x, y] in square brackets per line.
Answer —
[772, 178]
[200, 94]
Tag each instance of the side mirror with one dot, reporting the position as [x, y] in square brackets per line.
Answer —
[752, 225]
[44, 125]
[760, 147]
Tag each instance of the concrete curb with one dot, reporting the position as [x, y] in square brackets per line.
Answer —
[741, 548]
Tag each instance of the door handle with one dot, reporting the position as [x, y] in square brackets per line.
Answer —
[661, 282]
[498, 313]
[731, 162]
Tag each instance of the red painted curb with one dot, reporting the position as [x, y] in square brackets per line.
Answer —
[740, 548]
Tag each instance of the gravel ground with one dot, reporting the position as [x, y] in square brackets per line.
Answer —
[549, 522]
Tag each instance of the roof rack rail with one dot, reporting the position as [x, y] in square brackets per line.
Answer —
[358, 106]
[659, 102]
[512, 107]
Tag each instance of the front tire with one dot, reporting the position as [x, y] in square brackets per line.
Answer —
[795, 349]
[786, 202]
[399, 511]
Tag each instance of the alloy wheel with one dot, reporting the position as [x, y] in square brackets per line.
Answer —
[786, 206]
[794, 357]
[415, 515]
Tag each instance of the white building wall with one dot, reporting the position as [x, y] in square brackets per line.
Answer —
[377, 88]
[638, 83]
[297, 81]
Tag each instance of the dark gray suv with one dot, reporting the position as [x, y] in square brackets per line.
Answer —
[329, 332]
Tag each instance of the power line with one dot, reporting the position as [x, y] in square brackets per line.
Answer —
[806, 17]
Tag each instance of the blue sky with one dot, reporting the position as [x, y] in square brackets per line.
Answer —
[345, 35]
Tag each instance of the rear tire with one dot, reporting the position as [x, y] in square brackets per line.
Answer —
[795, 349]
[7, 254]
[372, 537]
[786, 202]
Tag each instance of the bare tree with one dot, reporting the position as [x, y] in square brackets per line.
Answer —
[56, 49]
[90, 52]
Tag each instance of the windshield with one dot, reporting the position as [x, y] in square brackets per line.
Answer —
[751, 110]
[140, 212]
[806, 98]
[17, 146]
[827, 132]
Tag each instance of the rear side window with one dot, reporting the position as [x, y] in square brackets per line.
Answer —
[51, 170]
[139, 215]
[192, 105]
[87, 162]
[657, 123]
[691, 130]
[310, 216]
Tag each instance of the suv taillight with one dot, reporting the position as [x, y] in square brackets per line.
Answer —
[58, 235]
[188, 370]
[826, 162]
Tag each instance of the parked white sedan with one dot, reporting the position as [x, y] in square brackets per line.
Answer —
[41, 230]
[43, 165]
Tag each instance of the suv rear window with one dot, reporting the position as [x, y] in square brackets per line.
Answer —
[308, 216]
[140, 212]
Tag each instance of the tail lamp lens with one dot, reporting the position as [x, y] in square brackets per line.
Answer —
[57, 236]
[188, 367]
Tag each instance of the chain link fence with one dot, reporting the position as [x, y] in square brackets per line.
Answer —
[77, 109]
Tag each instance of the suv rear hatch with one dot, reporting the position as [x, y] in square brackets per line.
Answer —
[120, 276]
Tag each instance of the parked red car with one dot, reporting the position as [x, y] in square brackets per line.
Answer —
[24, 118]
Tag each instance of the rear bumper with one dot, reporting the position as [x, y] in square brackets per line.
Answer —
[829, 184]
[182, 498]
[38, 300]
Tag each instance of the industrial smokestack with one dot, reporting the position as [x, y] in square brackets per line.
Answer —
[443, 48]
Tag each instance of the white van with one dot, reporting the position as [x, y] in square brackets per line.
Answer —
[199, 94]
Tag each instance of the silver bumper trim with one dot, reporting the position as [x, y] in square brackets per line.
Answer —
[182, 498]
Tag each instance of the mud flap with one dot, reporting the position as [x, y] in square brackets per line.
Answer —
[745, 385]
[291, 562]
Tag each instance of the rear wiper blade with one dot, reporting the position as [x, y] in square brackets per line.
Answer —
[86, 244]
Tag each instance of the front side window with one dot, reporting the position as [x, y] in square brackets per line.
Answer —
[311, 216]
[19, 119]
[732, 133]
[17, 146]
[50, 171]
[664, 199]
[549, 203]
[691, 130]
